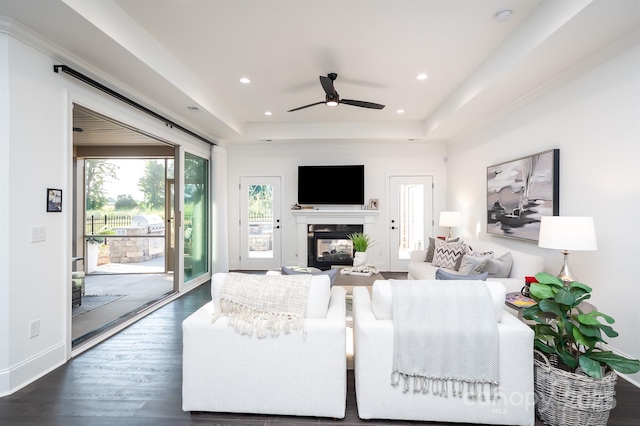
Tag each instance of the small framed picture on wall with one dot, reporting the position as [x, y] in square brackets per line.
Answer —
[373, 204]
[54, 200]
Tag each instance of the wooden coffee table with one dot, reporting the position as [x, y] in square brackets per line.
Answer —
[348, 282]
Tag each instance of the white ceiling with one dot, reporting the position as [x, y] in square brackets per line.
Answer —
[171, 54]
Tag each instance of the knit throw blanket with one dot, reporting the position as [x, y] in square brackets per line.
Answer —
[266, 304]
[444, 336]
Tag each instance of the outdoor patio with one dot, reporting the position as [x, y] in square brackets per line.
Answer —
[116, 290]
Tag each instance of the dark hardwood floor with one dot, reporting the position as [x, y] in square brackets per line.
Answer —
[134, 378]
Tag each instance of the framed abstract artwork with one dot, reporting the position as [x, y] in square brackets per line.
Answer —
[520, 192]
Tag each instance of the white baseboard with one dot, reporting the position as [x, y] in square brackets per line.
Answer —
[22, 374]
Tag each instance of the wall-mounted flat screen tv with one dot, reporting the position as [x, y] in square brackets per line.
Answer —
[331, 184]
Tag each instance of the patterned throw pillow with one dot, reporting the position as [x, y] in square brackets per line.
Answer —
[472, 252]
[468, 263]
[446, 254]
[497, 268]
[432, 248]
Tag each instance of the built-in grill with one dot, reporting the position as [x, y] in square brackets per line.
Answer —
[152, 223]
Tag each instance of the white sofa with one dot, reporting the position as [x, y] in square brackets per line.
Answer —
[224, 371]
[524, 264]
[377, 399]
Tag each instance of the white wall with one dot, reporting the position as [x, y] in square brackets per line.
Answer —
[36, 154]
[380, 159]
[4, 208]
[594, 120]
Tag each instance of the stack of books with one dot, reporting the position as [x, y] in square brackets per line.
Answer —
[519, 300]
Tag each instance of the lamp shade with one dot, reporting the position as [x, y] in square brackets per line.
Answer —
[450, 219]
[567, 233]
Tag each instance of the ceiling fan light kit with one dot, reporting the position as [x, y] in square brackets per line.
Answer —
[333, 98]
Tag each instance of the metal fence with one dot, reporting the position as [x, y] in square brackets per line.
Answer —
[260, 218]
[94, 224]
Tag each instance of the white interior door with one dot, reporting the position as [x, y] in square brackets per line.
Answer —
[260, 222]
[410, 217]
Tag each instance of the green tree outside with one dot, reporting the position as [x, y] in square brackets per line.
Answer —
[125, 202]
[152, 184]
[97, 174]
[260, 200]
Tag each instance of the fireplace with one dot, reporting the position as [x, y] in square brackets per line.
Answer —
[328, 245]
[321, 219]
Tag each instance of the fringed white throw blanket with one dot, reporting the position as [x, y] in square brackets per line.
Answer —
[266, 304]
[444, 335]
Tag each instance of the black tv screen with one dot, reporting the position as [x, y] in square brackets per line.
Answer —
[331, 184]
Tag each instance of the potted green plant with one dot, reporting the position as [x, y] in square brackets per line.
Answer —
[573, 359]
[361, 242]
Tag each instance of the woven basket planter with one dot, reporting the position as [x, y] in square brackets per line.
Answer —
[564, 398]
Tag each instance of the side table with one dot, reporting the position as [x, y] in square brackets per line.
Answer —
[518, 302]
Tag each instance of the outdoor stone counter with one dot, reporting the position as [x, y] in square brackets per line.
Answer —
[132, 247]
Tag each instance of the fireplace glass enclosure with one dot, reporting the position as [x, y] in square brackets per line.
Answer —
[328, 245]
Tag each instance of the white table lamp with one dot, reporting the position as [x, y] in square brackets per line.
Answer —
[567, 234]
[450, 219]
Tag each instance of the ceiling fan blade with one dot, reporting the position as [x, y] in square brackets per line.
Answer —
[327, 85]
[361, 104]
[306, 106]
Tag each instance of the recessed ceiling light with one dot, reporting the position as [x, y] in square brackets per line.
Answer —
[268, 113]
[421, 76]
[400, 111]
[244, 80]
[504, 15]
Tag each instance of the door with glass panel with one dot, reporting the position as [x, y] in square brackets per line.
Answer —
[410, 217]
[260, 222]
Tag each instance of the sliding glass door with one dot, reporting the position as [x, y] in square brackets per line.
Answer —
[196, 216]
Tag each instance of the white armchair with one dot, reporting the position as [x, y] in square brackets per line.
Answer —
[377, 399]
[224, 371]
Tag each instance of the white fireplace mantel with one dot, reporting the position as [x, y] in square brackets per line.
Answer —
[306, 217]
